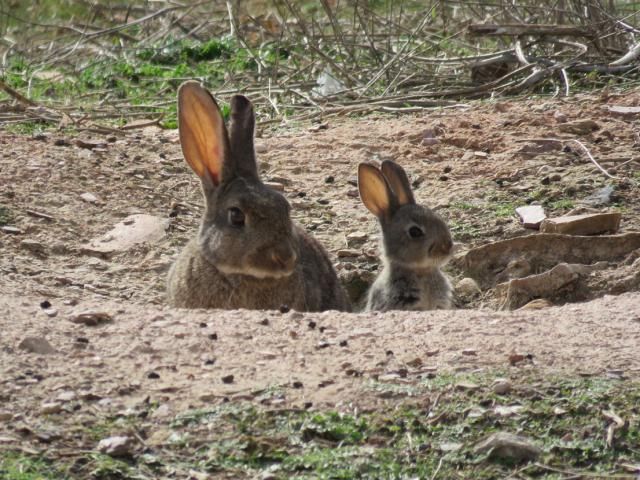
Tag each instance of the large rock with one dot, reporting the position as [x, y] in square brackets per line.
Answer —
[542, 252]
[133, 230]
[589, 224]
[519, 291]
[509, 447]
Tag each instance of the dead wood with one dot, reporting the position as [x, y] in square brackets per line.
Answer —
[523, 29]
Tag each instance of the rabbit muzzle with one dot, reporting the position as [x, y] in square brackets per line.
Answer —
[274, 262]
[441, 248]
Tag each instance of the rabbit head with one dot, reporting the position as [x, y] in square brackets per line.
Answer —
[413, 236]
[246, 228]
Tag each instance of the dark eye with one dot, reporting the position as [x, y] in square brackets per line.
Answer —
[236, 217]
[416, 232]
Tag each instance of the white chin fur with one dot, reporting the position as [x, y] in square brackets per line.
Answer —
[425, 263]
[252, 272]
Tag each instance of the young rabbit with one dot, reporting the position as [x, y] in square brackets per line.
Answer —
[415, 243]
[247, 253]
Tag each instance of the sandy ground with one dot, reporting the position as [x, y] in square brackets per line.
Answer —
[486, 155]
[183, 358]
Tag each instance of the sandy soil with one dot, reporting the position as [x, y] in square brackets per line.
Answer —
[487, 154]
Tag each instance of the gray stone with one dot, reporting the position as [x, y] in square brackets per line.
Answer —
[508, 446]
[600, 197]
[89, 197]
[37, 345]
[116, 446]
[467, 288]
[579, 127]
[501, 386]
[50, 408]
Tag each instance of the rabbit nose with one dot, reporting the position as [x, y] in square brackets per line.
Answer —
[442, 247]
[284, 259]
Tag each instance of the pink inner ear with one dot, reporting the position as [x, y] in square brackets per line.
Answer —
[216, 153]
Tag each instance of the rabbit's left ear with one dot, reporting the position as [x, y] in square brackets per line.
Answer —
[374, 190]
[399, 182]
[203, 136]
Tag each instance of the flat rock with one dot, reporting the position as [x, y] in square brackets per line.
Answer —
[275, 186]
[91, 318]
[531, 216]
[33, 246]
[537, 304]
[11, 230]
[588, 224]
[37, 345]
[578, 127]
[623, 111]
[348, 252]
[357, 237]
[133, 230]
[508, 446]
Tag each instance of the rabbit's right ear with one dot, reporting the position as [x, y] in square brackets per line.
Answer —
[203, 136]
[398, 181]
[374, 190]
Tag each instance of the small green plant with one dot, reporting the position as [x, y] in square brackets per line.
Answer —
[563, 204]
[503, 210]
[15, 466]
[5, 216]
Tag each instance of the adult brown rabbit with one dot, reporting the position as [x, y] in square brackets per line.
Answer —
[416, 243]
[247, 253]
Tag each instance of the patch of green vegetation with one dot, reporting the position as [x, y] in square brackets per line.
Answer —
[5, 216]
[104, 467]
[503, 210]
[433, 426]
[563, 204]
[110, 426]
[16, 466]
[462, 206]
[148, 79]
[26, 128]
[464, 231]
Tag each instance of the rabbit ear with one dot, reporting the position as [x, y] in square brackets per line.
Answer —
[203, 136]
[243, 159]
[399, 182]
[374, 190]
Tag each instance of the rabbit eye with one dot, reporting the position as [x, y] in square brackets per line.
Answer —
[236, 217]
[416, 232]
